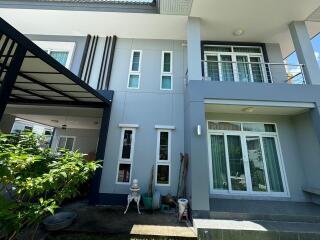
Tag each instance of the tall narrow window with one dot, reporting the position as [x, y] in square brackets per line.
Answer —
[125, 156]
[166, 71]
[134, 70]
[163, 157]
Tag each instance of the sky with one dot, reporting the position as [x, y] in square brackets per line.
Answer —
[292, 59]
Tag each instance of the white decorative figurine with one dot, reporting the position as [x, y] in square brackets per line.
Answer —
[134, 195]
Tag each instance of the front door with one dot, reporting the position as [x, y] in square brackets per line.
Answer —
[245, 162]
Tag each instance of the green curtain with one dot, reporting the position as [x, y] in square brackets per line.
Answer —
[226, 68]
[256, 69]
[219, 168]
[213, 68]
[272, 162]
[237, 174]
[61, 57]
[243, 69]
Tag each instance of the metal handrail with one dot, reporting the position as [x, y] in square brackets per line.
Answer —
[267, 66]
[267, 63]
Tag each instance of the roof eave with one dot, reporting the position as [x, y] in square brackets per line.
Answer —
[83, 6]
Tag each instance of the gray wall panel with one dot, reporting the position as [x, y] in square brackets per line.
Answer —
[147, 107]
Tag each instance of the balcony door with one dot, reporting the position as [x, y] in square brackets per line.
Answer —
[239, 64]
[245, 162]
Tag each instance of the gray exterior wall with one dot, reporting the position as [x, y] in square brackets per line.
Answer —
[198, 91]
[147, 107]
[278, 72]
[309, 149]
[78, 51]
[86, 139]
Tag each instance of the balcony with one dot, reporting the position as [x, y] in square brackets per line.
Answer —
[252, 71]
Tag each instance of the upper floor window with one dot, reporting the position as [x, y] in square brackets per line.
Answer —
[234, 63]
[166, 71]
[60, 51]
[134, 69]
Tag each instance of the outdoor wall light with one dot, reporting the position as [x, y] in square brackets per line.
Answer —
[199, 130]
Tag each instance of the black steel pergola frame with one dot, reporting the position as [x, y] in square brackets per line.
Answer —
[20, 45]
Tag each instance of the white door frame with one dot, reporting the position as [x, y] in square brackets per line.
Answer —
[249, 191]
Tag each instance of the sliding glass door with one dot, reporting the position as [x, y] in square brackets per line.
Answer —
[244, 161]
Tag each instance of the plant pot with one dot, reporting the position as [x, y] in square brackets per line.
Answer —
[59, 221]
[147, 201]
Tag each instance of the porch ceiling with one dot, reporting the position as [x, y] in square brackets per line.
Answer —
[255, 109]
[262, 21]
[77, 117]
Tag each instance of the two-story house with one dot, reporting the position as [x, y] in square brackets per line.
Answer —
[204, 78]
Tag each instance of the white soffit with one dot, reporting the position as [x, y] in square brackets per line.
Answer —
[81, 23]
[315, 16]
[175, 7]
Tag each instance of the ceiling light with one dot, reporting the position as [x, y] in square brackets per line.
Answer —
[247, 109]
[238, 32]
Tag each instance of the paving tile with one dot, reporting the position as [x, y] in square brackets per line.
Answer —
[231, 235]
[254, 235]
[309, 236]
[289, 236]
[209, 234]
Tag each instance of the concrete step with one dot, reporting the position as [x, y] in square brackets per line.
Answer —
[211, 229]
[264, 210]
[162, 232]
[264, 217]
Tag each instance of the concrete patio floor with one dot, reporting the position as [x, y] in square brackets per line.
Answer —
[111, 220]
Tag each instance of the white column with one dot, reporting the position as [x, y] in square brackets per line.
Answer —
[305, 52]
[194, 49]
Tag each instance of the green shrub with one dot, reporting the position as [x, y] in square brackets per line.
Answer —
[34, 181]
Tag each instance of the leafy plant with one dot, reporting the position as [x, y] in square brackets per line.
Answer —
[34, 181]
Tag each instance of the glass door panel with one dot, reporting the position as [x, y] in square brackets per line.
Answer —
[237, 173]
[256, 163]
[212, 67]
[226, 68]
[272, 163]
[243, 69]
[256, 68]
[219, 167]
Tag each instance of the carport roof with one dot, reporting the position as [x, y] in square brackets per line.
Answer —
[41, 79]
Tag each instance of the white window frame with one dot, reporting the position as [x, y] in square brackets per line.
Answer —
[166, 74]
[234, 61]
[243, 134]
[65, 136]
[125, 160]
[58, 46]
[131, 72]
[163, 162]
